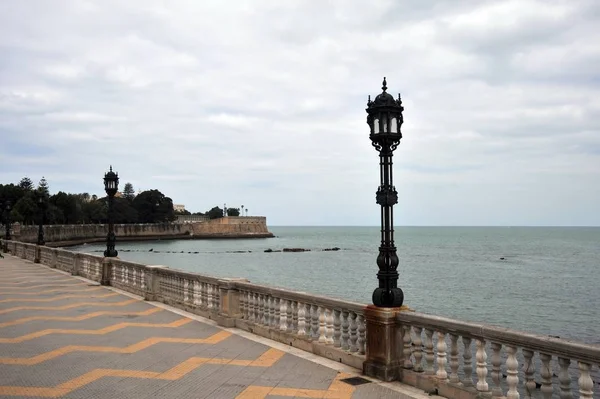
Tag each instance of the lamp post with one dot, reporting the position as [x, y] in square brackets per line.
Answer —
[111, 185]
[224, 210]
[41, 202]
[7, 237]
[384, 120]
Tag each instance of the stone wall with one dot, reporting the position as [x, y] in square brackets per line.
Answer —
[229, 227]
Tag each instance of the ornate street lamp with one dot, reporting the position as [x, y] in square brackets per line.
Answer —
[41, 203]
[385, 119]
[111, 185]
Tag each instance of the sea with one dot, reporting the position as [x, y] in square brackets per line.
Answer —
[544, 280]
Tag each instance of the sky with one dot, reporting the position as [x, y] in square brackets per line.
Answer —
[262, 103]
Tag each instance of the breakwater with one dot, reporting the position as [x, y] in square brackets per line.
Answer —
[67, 235]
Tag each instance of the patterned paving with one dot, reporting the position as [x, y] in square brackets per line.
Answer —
[61, 337]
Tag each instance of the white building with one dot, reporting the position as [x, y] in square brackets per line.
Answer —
[178, 207]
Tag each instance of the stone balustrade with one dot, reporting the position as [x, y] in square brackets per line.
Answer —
[458, 359]
[439, 353]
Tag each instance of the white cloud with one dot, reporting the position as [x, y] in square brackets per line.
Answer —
[262, 103]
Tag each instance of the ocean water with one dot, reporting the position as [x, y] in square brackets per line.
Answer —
[548, 281]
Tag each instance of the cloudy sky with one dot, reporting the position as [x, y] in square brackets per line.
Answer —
[261, 103]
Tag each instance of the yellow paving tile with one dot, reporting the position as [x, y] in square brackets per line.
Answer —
[214, 339]
[173, 374]
[101, 331]
[54, 290]
[79, 318]
[70, 306]
[58, 298]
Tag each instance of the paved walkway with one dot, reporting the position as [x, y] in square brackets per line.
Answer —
[62, 336]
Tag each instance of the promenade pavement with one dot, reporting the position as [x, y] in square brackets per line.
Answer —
[67, 337]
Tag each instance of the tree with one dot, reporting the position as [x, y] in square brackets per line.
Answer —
[233, 211]
[26, 184]
[43, 187]
[128, 192]
[25, 210]
[215, 213]
[153, 206]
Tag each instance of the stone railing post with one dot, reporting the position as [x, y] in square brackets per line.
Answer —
[230, 301]
[106, 269]
[152, 282]
[54, 259]
[385, 344]
[77, 259]
[38, 254]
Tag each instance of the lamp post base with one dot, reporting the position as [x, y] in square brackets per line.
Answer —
[384, 347]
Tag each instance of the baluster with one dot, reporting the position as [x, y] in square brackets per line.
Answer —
[512, 372]
[277, 321]
[204, 295]
[454, 359]
[418, 349]
[243, 305]
[217, 299]
[314, 315]
[252, 307]
[186, 293]
[302, 319]
[496, 370]
[322, 325]
[329, 326]
[294, 317]
[209, 295]
[282, 306]
[546, 374]
[345, 330]
[429, 355]
[529, 371]
[586, 385]
[362, 330]
[481, 362]
[271, 311]
[196, 293]
[134, 277]
[564, 378]
[407, 346]
[353, 332]
[288, 326]
[441, 373]
[261, 310]
[337, 328]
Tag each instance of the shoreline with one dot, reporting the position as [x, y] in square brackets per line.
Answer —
[211, 236]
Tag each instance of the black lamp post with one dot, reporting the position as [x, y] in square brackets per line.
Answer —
[41, 202]
[384, 119]
[111, 185]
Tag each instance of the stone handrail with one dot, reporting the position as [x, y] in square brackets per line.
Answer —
[430, 345]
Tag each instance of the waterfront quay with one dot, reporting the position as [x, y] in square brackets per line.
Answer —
[79, 325]
[65, 336]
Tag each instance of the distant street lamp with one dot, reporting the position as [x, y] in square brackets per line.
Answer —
[246, 212]
[111, 185]
[41, 203]
[7, 221]
[384, 119]
[224, 210]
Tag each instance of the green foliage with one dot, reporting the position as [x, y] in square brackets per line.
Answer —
[26, 184]
[215, 213]
[184, 212]
[25, 210]
[233, 211]
[43, 187]
[153, 206]
[128, 192]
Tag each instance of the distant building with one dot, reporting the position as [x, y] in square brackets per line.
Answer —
[178, 207]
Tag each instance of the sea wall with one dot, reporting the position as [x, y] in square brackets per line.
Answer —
[227, 227]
